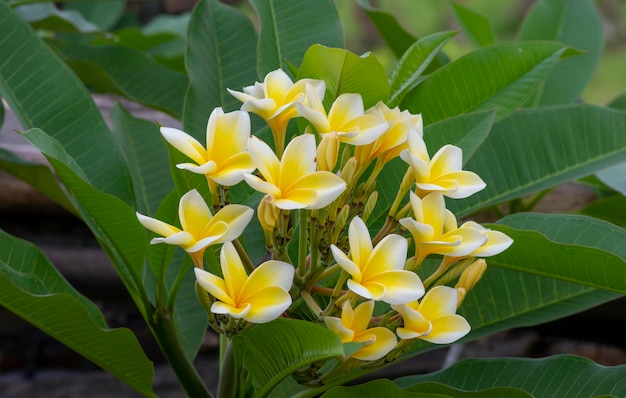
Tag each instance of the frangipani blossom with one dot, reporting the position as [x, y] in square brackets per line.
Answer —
[496, 242]
[434, 229]
[200, 228]
[443, 172]
[259, 297]
[274, 100]
[353, 327]
[346, 117]
[434, 319]
[293, 180]
[378, 272]
[225, 158]
[394, 140]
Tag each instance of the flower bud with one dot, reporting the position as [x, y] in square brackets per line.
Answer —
[461, 296]
[348, 170]
[268, 213]
[369, 206]
[472, 274]
[327, 152]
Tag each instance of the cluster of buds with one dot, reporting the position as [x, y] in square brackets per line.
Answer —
[319, 192]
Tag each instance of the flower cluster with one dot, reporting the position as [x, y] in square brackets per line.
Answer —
[319, 193]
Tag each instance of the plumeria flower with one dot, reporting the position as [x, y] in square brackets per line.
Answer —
[225, 158]
[394, 140]
[346, 117]
[443, 172]
[259, 297]
[293, 180]
[274, 100]
[200, 228]
[378, 272]
[434, 319]
[496, 242]
[353, 327]
[434, 229]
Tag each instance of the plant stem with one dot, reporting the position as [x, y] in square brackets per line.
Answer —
[226, 387]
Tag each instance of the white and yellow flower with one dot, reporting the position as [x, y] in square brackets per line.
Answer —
[259, 297]
[353, 327]
[200, 228]
[293, 180]
[496, 241]
[225, 158]
[378, 272]
[443, 172]
[346, 117]
[434, 319]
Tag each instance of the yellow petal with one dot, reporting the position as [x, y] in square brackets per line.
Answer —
[235, 311]
[401, 286]
[371, 291]
[232, 170]
[234, 272]
[157, 226]
[434, 212]
[298, 160]
[297, 199]
[335, 325]
[468, 183]
[204, 168]
[270, 273]
[360, 241]
[182, 238]
[369, 128]
[389, 254]
[326, 186]
[382, 341]
[344, 262]
[267, 304]
[237, 217]
[345, 108]
[185, 143]
[262, 186]
[347, 315]
[194, 213]
[264, 159]
[447, 329]
[415, 325]
[227, 135]
[448, 158]
[264, 107]
[362, 316]
[438, 301]
[214, 285]
[277, 85]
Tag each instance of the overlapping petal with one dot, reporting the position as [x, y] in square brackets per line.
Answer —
[292, 180]
[353, 327]
[496, 242]
[225, 158]
[434, 319]
[259, 297]
[378, 273]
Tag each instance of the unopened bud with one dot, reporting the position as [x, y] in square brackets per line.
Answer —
[461, 296]
[342, 219]
[327, 152]
[268, 213]
[369, 206]
[472, 274]
[348, 170]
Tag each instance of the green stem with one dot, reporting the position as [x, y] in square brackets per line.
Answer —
[187, 375]
[171, 298]
[302, 242]
[227, 385]
[243, 254]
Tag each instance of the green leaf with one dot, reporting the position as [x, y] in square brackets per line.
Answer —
[220, 54]
[476, 27]
[376, 389]
[610, 209]
[34, 290]
[436, 388]
[614, 177]
[113, 223]
[618, 103]
[539, 148]
[407, 72]
[272, 351]
[145, 153]
[289, 28]
[533, 252]
[43, 92]
[559, 376]
[46, 16]
[502, 77]
[104, 14]
[577, 24]
[127, 72]
[345, 72]
[36, 175]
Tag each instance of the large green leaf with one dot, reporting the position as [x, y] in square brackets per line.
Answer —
[539, 148]
[614, 177]
[476, 27]
[220, 54]
[559, 376]
[33, 289]
[501, 77]
[36, 175]
[398, 39]
[577, 24]
[409, 69]
[345, 72]
[272, 351]
[113, 223]
[289, 28]
[145, 152]
[104, 14]
[127, 72]
[534, 253]
[47, 16]
[43, 92]
[610, 209]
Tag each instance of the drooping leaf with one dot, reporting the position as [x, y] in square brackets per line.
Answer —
[577, 24]
[273, 350]
[396, 37]
[104, 14]
[34, 290]
[38, 176]
[409, 69]
[127, 72]
[288, 28]
[539, 148]
[476, 27]
[559, 376]
[145, 153]
[47, 16]
[43, 92]
[345, 72]
[597, 259]
[501, 77]
[221, 53]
